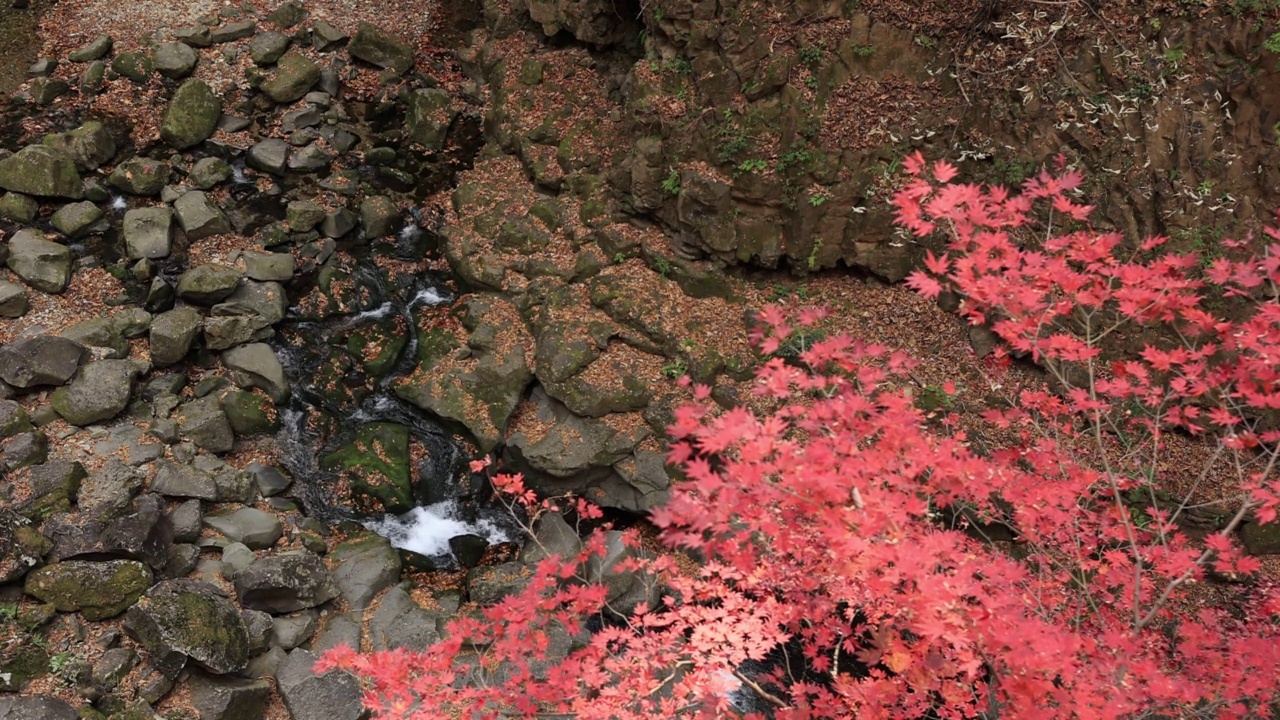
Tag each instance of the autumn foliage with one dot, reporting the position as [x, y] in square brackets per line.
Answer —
[862, 557]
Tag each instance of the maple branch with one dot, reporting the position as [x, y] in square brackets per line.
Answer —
[765, 694]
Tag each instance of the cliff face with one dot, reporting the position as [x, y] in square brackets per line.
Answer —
[769, 133]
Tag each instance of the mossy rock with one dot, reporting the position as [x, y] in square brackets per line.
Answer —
[98, 590]
[21, 662]
[249, 414]
[378, 345]
[192, 115]
[181, 619]
[376, 463]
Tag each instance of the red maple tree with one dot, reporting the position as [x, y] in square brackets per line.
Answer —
[844, 569]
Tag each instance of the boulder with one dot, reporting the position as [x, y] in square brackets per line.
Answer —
[267, 47]
[285, 583]
[22, 547]
[179, 620]
[233, 31]
[100, 332]
[338, 223]
[256, 529]
[96, 589]
[379, 47]
[378, 216]
[140, 176]
[204, 423]
[41, 171]
[303, 215]
[13, 419]
[42, 264]
[218, 698]
[192, 115]
[275, 267]
[325, 37]
[148, 233]
[22, 209]
[200, 217]
[291, 631]
[76, 219]
[209, 172]
[363, 566]
[183, 481]
[399, 622]
[208, 284]
[256, 366]
[375, 465]
[14, 300]
[95, 49]
[269, 156]
[295, 74]
[90, 145]
[333, 696]
[311, 158]
[35, 707]
[40, 360]
[175, 60]
[137, 66]
[429, 117]
[100, 391]
[491, 583]
[172, 333]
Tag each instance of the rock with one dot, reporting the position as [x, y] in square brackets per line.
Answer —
[565, 444]
[136, 66]
[487, 585]
[277, 267]
[333, 696]
[326, 37]
[287, 15]
[111, 668]
[232, 31]
[179, 620]
[22, 547]
[40, 360]
[295, 74]
[429, 117]
[14, 300]
[311, 158]
[47, 89]
[256, 529]
[291, 631]
[375, 465]
[23, 449]
[192, 115]
[363, 566]
[93, 77]
[303, 215]
[468, 549]
[41, 171]
[194, 35]
[338, 223]
[208, 283]
[236, 557]
[175, 60]
[200, 218]
[267, 47]
[107, 333]
[269, 156]
[285, 583]
[339, 629]
[399, 622]
[379, 47]
[259, 626]
[205, 424]
[216, 698]
[13, 419]
[270, 480]
[183, 481]
[42, 264]
[148, 233]
[626, 588]
[90, 145]
[22, 209]
[108, 493]
[96, 49]
[100, 391]
[172, 333]
[378, 216]
[256, 366]
[35, 707]
[209, 172]
[185, 518]
[249, 414]
[97, 590]
[54, 486]
[75, 219]
[140, 176]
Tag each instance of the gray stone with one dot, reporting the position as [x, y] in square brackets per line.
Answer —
[265, 300]
[96, 49]
[269, 156]
[179, 620]
[209, 283]
[136, 66]
[363, 566]
[45, 90]
[276, 267]
[41, 171]
[22, 209]
[183, 481]
[287, 15]
[96, 589]
[175, 60]
[75, 219]
[290, 631]
[35, 707]
[429, 117]
[40, 263]
[43, 67]
[205, 424]
[266, 664]
[338, 223]
[14, 299]
[172, 333]
[90, 145]
[378, 216]
[491, 583]
[22, 547]
[209, 172]
[258, 624]
[100, 391]
[256, 365]
[339, 629]
[93, 77]
[285, 583]
[183, 558]
[333, 696]
[200, 218]
[311, 158]
[270, 480]
[100, 332]
[236, 557]
[258, 530]
[303, 215]
[551, 536]
[194, 35]
[13, 419]
[399, 622]
[23, 449]
[40, 360]
[379, 47]
[232, 31]
[326, 37]
[140, 176]
[111, 668]
[267, 47]
[626, 588]
[148, 233]
[216, 698]
[192, 115]
[185, 519]
[295, 74]
[228, 331]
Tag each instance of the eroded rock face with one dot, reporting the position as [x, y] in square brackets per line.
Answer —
[97, 590]
[41, 170]
[40, 360]
[181, 620]
[285, 583]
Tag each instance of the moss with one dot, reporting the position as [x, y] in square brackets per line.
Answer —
[377, 464]
[249, 413]
[434, 344]
[388, 340]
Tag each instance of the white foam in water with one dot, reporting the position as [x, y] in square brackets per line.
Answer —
[119, 203]
[381, 311]
[426, 530]
[429, 296]
[410, 232]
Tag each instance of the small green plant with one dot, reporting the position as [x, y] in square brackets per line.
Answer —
[811, 82]
[662, 265]
[812, 54]
[679, 65]
[798, 156]
[812, 260]
[752, 165]
[1272, 43]
[926, 42]
[1175, 55]
[675, 369]
[818, 199]
[59, 662]
[933, 398]
[864, 50]
[8, 612]
[1205, 187]
[619, 258]
[671, 184]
